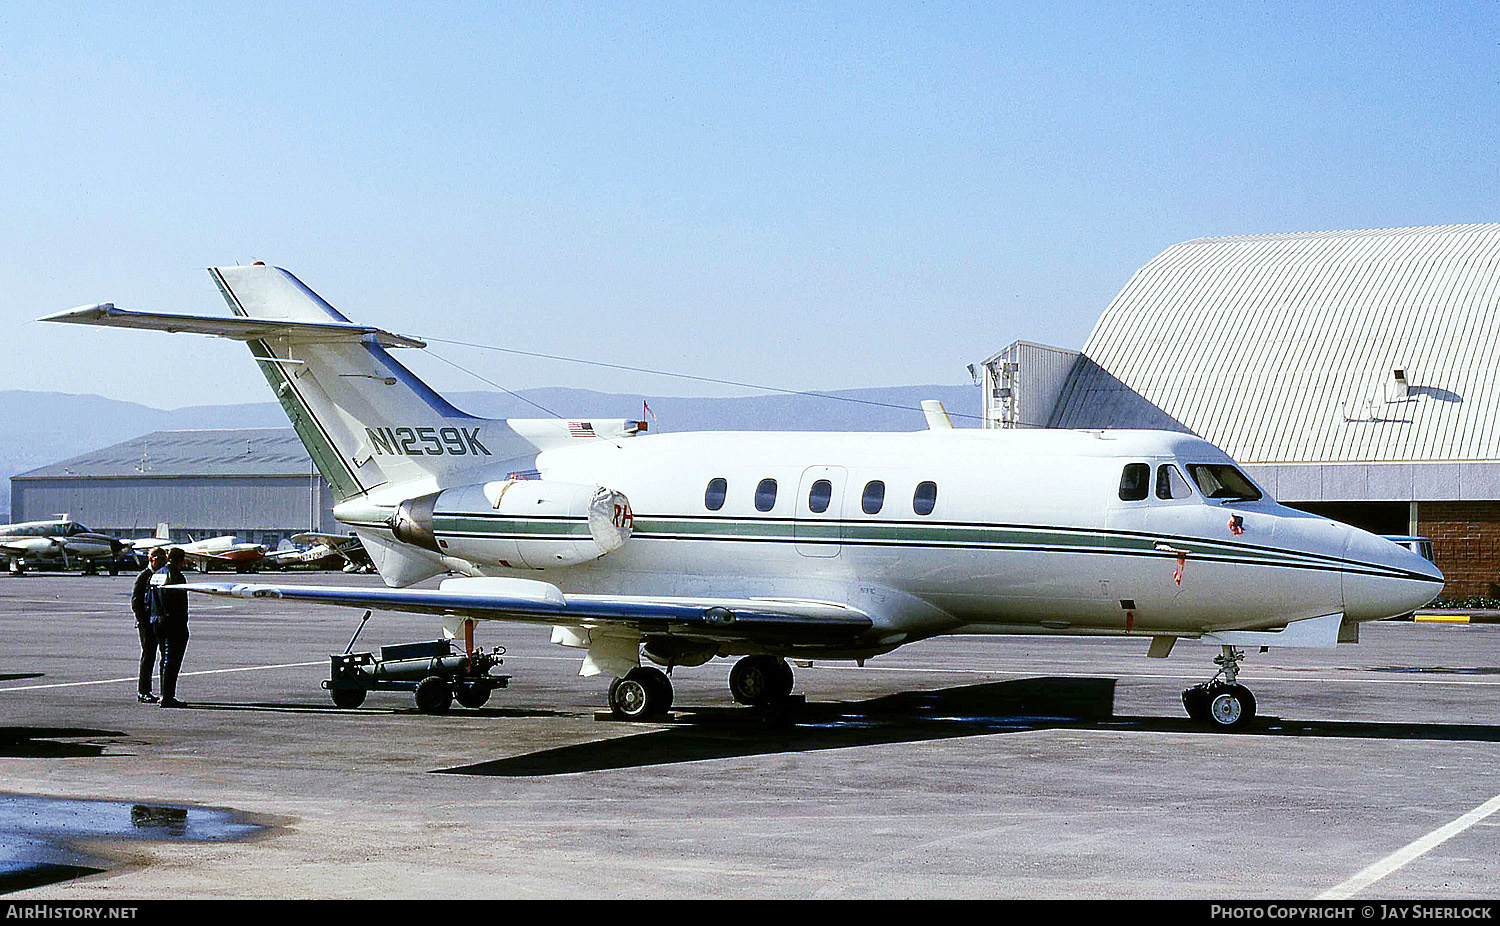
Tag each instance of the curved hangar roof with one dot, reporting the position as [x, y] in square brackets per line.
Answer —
[1285, 348]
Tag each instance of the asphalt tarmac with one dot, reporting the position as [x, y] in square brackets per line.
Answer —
[966, 767]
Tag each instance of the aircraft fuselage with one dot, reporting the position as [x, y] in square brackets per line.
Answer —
[944, 531]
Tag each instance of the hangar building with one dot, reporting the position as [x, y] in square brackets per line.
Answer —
[256, 483]
[1356, 374]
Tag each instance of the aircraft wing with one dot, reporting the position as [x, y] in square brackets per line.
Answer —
[723, 619]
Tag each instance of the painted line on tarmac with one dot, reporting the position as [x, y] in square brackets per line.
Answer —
[1410, 853]
[132, 679]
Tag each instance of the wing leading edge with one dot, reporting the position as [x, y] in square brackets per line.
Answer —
[764, 620]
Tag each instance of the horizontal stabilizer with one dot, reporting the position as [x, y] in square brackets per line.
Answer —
[761, 619]
[237, 329]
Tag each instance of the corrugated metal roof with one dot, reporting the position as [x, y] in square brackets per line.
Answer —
[1280, 348]
[226, 452]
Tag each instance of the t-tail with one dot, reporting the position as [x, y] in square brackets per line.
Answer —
[366, 420]
[364, 417]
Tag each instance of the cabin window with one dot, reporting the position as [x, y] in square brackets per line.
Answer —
[1135, 482]
[765, 495]
[1222, 481]
[925, 498]
[1170, 483]
[874, 497]
[820, 496]
[713, 497]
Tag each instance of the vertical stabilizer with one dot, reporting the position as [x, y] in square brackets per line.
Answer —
[365, 419]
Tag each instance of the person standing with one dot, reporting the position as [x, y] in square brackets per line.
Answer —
[141, 607]
[169, 619]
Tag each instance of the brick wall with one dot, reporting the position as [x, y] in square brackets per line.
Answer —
[1466, 545]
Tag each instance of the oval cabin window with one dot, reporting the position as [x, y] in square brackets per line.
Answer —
[820, 496]
[874, 498]
[713, 497]
[765, 495]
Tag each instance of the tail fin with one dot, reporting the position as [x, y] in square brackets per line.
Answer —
[365, 419]
[163, 531]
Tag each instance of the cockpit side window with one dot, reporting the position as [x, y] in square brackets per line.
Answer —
[1135, 482]
[1222, 481]
[1170, 483]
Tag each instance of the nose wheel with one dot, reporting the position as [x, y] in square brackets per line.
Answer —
[1221, 702]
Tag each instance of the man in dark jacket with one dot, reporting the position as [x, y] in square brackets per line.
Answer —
[169, 619]
[141, 607]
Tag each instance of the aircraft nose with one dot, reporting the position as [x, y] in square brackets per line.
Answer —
[1384, 579]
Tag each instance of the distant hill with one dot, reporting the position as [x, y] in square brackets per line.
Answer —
[46, 427]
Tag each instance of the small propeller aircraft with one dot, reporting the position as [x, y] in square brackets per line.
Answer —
[320, 550]
[226, 551]
[60, 540]
[682, 548]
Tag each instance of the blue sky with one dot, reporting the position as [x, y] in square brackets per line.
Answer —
[812, 196]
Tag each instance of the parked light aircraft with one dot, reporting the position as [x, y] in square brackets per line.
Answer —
[686, 547]
[341, 551]
[60, 540]
[227, 550]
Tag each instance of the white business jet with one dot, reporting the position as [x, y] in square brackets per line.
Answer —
[768, 546]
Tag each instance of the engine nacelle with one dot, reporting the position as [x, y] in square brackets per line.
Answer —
[535, 523]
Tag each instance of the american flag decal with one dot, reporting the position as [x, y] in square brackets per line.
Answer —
[580, 429]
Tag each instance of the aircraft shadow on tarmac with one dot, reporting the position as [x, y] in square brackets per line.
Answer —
[42, 742]
[909, 717]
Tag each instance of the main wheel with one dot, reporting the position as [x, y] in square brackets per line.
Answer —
[434, 695]
[760, 680]
[1231, 707]
[347, 697]
[643, 692]
[1195, 699]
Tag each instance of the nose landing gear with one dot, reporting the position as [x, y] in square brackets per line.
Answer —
[1223, 704]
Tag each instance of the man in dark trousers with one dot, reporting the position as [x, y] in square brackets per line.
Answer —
[169, 619]
[141, 607]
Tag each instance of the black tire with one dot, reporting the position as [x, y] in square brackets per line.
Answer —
[347, 697]
[658, 678]
[1195, 699]
[643, 692]
[760, 680]
[434, 695]
[472, 695]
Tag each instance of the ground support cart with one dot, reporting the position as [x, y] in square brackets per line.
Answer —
[437, 673]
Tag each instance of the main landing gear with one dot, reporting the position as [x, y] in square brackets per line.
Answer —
[646, 691]
[1222, 703]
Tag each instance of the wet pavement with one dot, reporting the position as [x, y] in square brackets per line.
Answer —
[40, 837]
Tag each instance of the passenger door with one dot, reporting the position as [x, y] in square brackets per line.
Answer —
[820, 506]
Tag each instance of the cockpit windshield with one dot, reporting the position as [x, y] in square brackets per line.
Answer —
[1222, 481]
